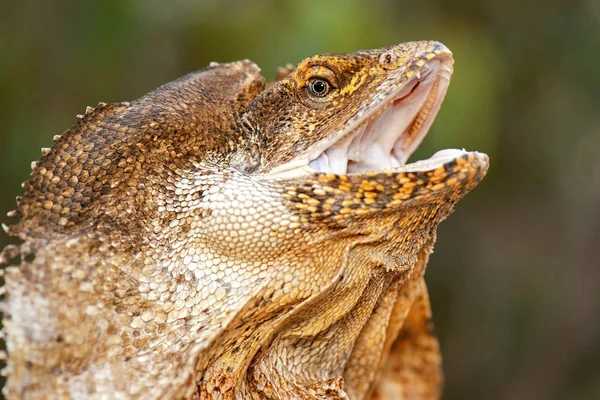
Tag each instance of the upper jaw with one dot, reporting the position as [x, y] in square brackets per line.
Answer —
[384, 133]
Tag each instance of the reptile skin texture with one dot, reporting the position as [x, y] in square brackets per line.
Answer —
[163, 259]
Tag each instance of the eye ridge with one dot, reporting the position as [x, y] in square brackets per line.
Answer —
[319, 87]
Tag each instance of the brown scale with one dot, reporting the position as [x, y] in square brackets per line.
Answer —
[160, 260]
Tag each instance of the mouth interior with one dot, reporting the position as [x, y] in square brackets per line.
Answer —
[392, 131]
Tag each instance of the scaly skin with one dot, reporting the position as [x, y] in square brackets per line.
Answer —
[163, 259]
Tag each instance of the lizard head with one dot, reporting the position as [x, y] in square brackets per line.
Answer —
[353, 113]
[352, 118]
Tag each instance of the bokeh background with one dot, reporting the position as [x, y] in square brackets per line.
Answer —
[515, 278]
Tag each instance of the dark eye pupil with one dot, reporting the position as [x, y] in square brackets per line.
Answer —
[319, 87]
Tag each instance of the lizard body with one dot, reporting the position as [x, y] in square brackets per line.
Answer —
[221, 238]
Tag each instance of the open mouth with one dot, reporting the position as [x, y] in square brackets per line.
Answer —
[388, 132]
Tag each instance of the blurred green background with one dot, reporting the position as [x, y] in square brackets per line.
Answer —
[515, 278]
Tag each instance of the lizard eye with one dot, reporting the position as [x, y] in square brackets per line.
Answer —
[319, 87]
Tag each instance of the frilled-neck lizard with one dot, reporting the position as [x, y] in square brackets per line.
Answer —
[220, 238]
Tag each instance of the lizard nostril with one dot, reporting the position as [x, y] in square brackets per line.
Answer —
[388, 60]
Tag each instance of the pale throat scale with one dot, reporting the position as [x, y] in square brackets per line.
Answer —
[226, 238]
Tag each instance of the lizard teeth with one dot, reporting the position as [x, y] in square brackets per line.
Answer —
[422, 115]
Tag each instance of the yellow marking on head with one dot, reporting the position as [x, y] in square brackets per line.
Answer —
[420, 63]
[357, 80]
[443, 51]
[306, 70]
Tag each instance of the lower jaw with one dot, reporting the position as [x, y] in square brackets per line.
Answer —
[435, 161]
